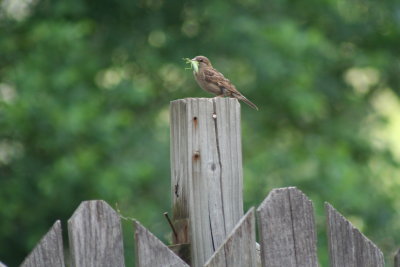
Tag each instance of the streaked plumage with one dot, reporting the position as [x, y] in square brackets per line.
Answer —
[211, 80]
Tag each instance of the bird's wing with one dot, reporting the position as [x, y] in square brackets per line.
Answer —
[227, 88]
[215, 77]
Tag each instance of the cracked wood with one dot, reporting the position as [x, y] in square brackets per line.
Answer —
[239, 249]
[206, 170]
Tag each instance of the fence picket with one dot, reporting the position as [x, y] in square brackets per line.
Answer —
[95, 236]
[2, 264]
[49, 250]
[347, 245]
[287, 229]
[397, 259]
[239, 249]
[150, 251]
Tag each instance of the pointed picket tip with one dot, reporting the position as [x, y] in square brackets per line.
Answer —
[347, 245]
[150, 251]
[239, 248]
[287, 229]
[48, 252]
[2, 264]
[95, 235]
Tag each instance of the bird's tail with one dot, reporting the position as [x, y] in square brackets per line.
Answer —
[248, 102]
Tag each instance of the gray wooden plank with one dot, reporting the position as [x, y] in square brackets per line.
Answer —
[340, 238]
[180, 159]
[258, 254]
[95, 236]
[228, 130]
[287, 229]
[49, 251]
[239, 249]
[150, 251]
[206, 171]
[305, 234]
[347, 245]
[397, 259]
[183, 252]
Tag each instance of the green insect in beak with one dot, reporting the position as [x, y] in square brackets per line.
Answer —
[193, 64]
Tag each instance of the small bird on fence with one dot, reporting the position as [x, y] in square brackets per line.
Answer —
[213, 81]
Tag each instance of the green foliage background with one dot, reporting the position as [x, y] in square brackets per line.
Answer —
[85, 89]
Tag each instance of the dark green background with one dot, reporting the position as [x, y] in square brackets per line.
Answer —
[85, 88]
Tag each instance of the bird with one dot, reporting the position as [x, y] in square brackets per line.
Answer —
[213, 81]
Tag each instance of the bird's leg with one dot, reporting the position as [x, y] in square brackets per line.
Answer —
[224, 92]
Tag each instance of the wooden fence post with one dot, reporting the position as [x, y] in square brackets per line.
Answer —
[206, 170]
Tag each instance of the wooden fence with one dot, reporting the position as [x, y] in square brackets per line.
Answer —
[209, 228]
[286, 227]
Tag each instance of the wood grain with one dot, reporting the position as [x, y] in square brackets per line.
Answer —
[239, 249]
[206, 170]
[95, 236]
[49, 251]
[347, 245]
[150, 251]
[287, 229]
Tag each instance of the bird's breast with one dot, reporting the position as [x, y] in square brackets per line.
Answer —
[205, 85]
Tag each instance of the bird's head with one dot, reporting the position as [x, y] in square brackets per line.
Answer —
[203, 61]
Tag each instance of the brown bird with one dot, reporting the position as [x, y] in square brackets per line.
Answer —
[214, 81]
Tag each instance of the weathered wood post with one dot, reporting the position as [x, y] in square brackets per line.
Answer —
[206, 172]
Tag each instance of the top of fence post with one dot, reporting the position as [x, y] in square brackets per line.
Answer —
[206, 172]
